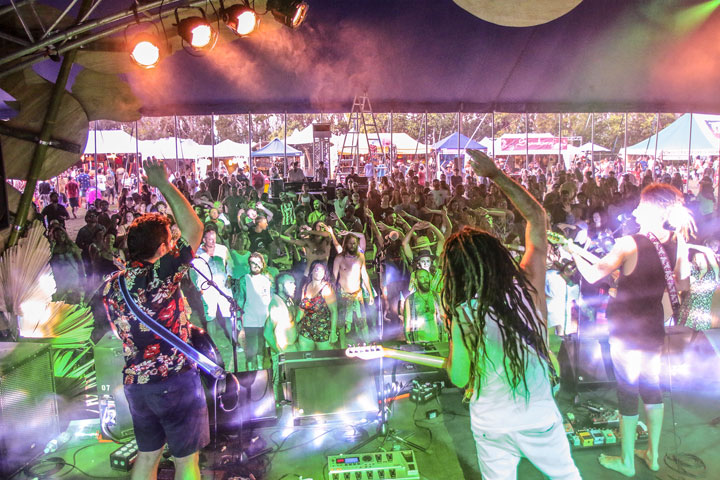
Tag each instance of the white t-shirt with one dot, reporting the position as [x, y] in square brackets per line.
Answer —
[494, 407]
[101, 182]
[258, 293]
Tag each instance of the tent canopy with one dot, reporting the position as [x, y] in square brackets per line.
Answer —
[227, 148]
[674, 139]
[276, 148]
[110, 141]
[590, 147]
[301, 137]
[452, 141]
[404, 143]
[604, 55]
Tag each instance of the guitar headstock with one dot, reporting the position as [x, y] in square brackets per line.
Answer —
[365, 352]
[556, 238]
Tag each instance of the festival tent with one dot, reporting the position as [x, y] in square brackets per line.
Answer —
[452, 141]
[110, 141]
[673, 141]
[593, 147]
[404, 144]
[276, 148]
[227, 149]
[301, 137]
[168, 148]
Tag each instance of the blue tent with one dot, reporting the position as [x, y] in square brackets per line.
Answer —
[276, 148]
[675, 138]
[451, 142]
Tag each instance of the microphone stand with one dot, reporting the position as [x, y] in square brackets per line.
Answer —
[235, 314]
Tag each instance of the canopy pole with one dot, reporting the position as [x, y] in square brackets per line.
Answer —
[250, 159]
[560, 136]
[391, 138]
[137, 153]
[177, 153]
[285, 145]
[95, 159]
[458, 145]
[492, 134]
[527, 139]
[56, 96]
[213, 139]
[625, 159]
[689, 152]
[592, 142]
[657, 135]
[426, 147]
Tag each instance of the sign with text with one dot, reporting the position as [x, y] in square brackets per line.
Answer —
[521, 144]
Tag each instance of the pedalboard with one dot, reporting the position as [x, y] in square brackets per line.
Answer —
[423, 393]
[123, 458]
[395, 465]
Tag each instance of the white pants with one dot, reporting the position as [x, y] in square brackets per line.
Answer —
[547, 448]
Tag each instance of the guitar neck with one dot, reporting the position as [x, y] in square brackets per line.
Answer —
[418, 358]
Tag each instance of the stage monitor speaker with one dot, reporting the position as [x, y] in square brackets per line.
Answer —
[330, 192]
[254, 406]
[4, 209]
[277, 186]
[328, 387]
[585, 364]
[28, 406]
[115, 418]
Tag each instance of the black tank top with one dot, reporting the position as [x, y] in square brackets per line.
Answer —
[636, 314]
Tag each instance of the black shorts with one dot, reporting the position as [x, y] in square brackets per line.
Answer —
[638, 375]
[74, 202]
[173, 412]
[254, 342]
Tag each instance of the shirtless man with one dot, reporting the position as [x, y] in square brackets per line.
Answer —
[351, 276]
[280, 332]
[316, 242]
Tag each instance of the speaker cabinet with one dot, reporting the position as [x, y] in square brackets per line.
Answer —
[115, 417]
[253, 406]
[585, 363]
[28, 405]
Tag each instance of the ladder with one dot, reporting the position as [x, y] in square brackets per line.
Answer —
[351, 142]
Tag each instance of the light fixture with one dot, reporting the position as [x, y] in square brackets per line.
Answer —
[145, 44]
[241, 19]
[198, 35]
[290, 13]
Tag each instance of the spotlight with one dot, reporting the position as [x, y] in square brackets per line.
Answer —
[145, 50]
[196, 32]
[241, 19]
[290, 13]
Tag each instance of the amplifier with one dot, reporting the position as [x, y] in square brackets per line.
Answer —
[28, 404]
[115, 419]
[397, 464]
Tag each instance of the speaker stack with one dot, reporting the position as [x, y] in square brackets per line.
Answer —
[28, 406]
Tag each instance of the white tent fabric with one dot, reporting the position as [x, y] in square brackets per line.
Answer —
[301, 137]
[166, 148]
[110, 141]
[228, 149]
[590, 147]
[403, 142]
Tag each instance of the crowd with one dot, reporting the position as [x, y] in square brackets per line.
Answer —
[360, 261]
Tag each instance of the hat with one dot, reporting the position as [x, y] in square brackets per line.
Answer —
[425, 253]
[423, 242]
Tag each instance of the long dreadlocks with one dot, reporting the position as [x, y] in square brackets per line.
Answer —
[478, 268]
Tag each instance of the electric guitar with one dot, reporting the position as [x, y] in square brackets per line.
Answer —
[558, 239]
[372, 352]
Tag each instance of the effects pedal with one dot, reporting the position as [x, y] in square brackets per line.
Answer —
[124, 457]
[423, 393]
[393, 465]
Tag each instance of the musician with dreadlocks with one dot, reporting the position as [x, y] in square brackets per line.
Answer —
[495, 311]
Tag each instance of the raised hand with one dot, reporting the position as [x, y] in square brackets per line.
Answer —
[482, 165]
[155, 173]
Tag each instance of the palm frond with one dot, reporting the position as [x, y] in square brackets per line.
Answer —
[68, 326]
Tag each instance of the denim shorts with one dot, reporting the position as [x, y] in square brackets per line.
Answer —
[173, 411]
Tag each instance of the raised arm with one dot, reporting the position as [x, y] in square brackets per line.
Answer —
[533, 262]
[191, 227]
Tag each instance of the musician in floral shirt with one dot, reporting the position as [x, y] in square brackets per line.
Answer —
[162, 387]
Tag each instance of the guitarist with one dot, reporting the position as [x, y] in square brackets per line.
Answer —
[163, 389]
[496, 315]
[636, 315]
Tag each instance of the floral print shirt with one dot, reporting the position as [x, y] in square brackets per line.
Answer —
[156, 289]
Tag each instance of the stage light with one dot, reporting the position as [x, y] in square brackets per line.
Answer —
[145, 52]
[241, 19]
[196, 32]
[290, 13]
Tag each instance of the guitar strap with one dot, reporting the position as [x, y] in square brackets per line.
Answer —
[186, 349]
[669, 278]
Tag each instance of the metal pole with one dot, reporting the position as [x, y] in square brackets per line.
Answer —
[592, 142]
[560, 137]
[137, 152]
[527, 139]
[426, 148]
[285, 145]
[458, 143]
[95, 158]
[391, 137]
[689, 152]
[492, 134]
[58, 90]
[625, 160]
[657, 135]
[212, 127]
[250, 161]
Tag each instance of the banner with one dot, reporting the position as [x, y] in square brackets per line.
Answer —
[518, 144]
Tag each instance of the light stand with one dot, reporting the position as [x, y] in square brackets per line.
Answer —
[383, 430]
